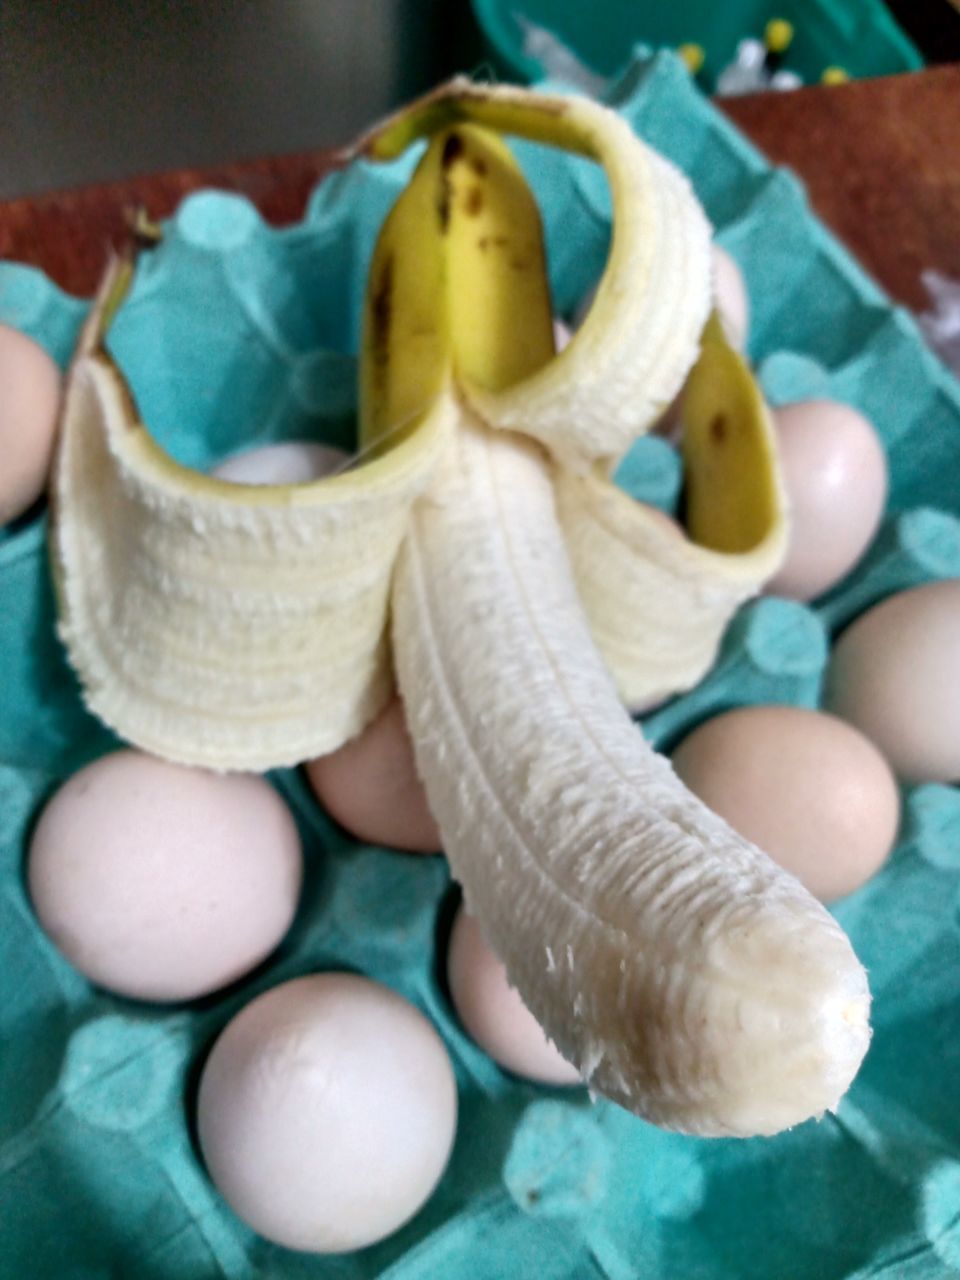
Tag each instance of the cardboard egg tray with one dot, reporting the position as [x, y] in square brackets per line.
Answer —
[238, 334]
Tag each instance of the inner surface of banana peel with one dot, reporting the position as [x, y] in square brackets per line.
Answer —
[246, 628]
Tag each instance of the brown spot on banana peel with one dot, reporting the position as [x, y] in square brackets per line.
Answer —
[453, 149]
[718, 429]
[444, 198]
[473, 202]
[381, 312]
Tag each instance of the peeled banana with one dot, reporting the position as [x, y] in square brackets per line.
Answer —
[687, 976]
[684, 974]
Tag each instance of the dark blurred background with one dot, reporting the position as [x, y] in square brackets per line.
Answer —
[101, 89]
[110, 88]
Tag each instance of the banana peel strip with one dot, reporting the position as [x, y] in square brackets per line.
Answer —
[658, 601]
[228, 626]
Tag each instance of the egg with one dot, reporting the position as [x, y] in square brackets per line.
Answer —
[492, 1012]
[730, 297]
[162, 882]
[371, 786]
[292, 462]
[326, 1112]
[811, 791]
[835, 474]
[893, 674]
[29, 405]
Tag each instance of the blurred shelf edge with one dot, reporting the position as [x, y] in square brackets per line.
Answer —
[880, 158]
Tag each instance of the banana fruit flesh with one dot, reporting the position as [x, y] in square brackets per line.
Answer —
[218, 624]
[687, 976]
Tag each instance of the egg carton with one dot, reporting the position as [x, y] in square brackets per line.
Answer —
[236, 333]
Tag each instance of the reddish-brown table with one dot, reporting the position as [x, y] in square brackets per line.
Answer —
[881, 160]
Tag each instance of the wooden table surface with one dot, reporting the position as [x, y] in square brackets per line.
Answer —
[881, 160]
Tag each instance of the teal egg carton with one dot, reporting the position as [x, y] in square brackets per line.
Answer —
[859, 36]
[237, 333]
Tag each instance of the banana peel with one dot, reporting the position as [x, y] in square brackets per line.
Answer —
[215, 624]
[659, 597]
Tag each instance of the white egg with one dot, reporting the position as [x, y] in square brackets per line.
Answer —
[29, 404]
[835, 474]
[731, 298]
[293, 462]
[893, 674]
[326, 1112]
[492, 1012]
[161, 882]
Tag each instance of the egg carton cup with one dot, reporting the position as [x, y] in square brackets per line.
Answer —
[237, 334]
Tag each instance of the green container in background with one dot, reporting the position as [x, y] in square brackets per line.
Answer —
[858, 35]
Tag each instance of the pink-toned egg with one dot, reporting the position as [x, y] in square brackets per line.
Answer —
[835, 474]
[371, 786]
[29, 405]
[893, 674]
[492, 1012]
[162, 882]
[730, 297]
[811, 791]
